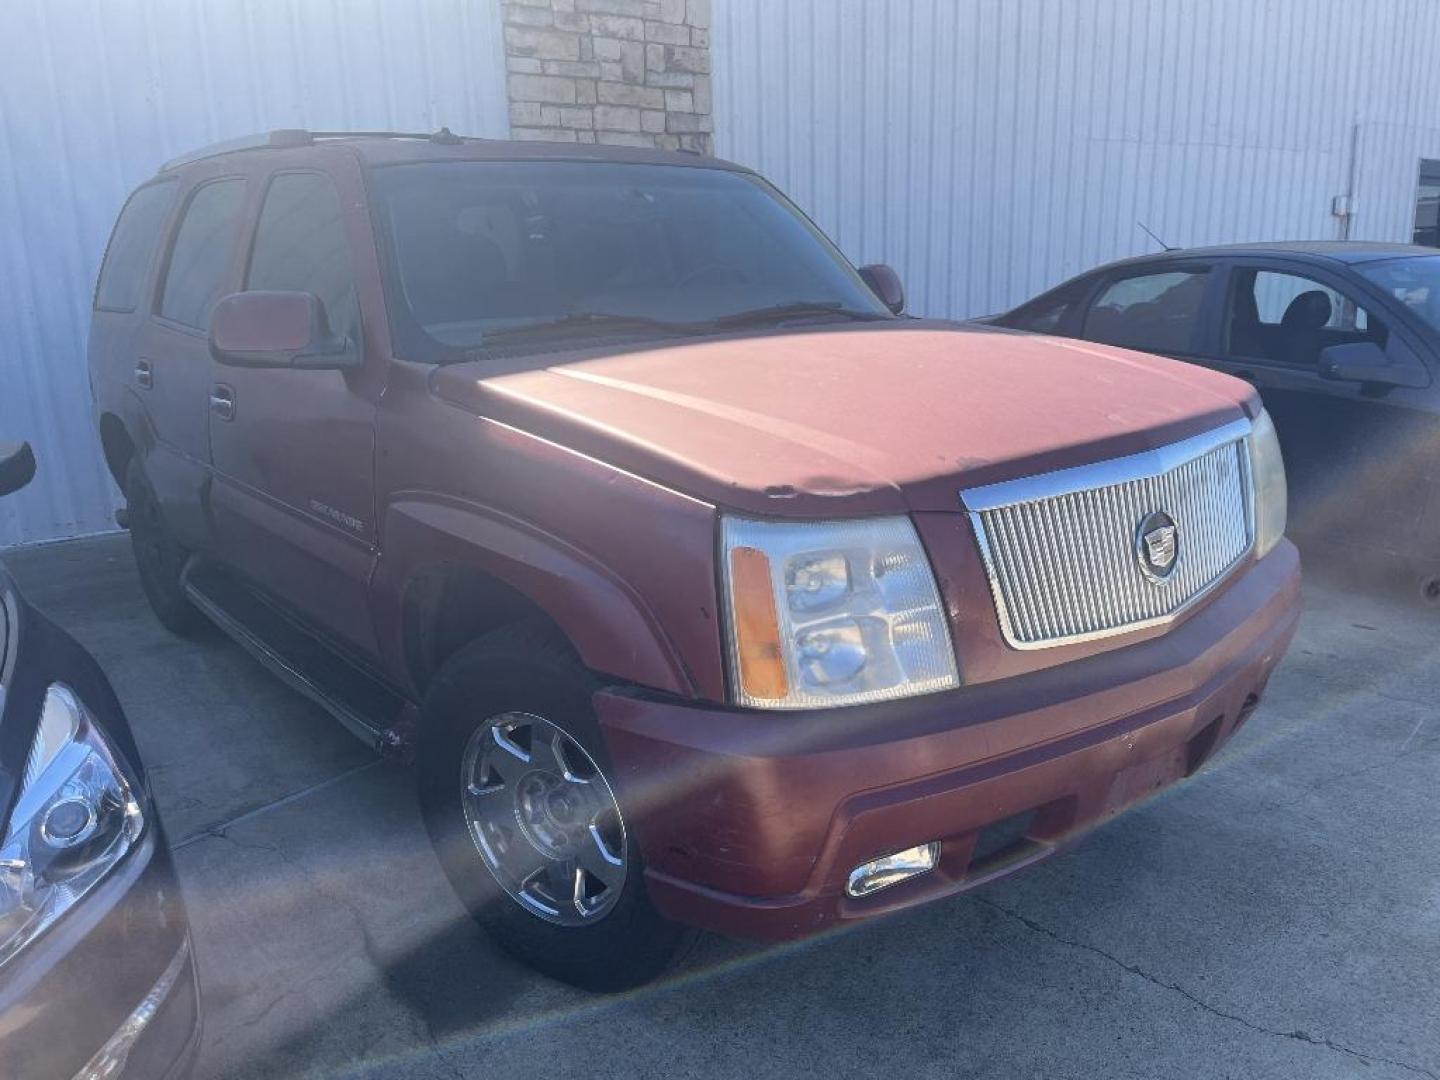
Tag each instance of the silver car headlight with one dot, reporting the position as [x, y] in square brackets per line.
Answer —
[76, 817]
[832, 613]
[1267, 471]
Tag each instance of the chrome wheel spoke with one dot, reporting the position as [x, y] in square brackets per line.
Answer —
[545, 752]
[535, 892]
[599, 861]
[484, 781]
[506, 757]
[560, 746]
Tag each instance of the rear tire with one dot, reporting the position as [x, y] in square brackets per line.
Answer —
[159, 558]
[595, 931]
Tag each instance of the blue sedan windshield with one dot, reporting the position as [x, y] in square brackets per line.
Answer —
[1415, 282]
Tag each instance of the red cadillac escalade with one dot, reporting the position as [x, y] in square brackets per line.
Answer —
[705, 587]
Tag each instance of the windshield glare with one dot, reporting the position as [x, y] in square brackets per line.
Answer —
[1414, 282]
[482, 247]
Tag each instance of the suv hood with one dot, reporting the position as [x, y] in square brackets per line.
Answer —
[880, 418]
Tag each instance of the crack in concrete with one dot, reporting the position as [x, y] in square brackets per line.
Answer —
[294, 991]
[1405, 746]
[1134, 969]
[220, 828]
[221, 832]
[1399, 699]
[420, 1024]
[426, 1031]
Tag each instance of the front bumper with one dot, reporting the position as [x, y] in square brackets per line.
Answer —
[114, 978]
[749, 823]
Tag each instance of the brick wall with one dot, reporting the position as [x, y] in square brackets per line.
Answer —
[624, 72]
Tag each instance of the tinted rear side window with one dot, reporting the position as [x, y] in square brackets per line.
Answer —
[132, 246]
[301, 246]
[1048, 314]
[1154, 312]
[203, 248]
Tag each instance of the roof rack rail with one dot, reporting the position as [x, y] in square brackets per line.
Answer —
[444, 136]
[285, 138]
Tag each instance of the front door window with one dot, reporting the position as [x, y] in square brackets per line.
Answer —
[1289, 319]
[300, 245]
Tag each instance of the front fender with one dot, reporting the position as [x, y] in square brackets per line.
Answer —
[615, 630]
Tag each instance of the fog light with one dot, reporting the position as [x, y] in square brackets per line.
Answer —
[892, 869]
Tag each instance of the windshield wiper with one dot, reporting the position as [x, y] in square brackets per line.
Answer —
[795, 309]
[584, 320]
[609, 320]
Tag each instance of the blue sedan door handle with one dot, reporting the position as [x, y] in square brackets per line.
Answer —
[222, 402]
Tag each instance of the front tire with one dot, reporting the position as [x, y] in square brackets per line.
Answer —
[515, 788]
[159, 557]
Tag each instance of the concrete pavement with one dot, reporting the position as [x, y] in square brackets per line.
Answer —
[1276, 916]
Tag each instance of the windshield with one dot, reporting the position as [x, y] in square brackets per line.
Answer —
[484, 249]
[1415, 282]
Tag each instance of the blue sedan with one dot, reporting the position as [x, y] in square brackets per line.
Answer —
[1342, 340]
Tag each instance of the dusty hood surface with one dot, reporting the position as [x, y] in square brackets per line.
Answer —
[857, 419]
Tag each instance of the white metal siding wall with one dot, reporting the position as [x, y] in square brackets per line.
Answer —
[989, 149]
[95, 95]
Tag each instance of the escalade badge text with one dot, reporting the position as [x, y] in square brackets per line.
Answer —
[339, 517]
[1157, 543]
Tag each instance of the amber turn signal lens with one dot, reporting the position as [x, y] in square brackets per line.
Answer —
[757, 630]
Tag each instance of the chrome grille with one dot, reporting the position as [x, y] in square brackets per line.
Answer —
[1061, 549]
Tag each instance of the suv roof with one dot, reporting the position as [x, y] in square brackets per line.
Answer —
[388, 147]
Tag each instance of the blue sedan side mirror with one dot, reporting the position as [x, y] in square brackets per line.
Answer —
[1366, 362]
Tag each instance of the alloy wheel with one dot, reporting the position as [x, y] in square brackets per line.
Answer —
[543, 819]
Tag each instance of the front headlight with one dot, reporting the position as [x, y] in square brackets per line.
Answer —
[1268, 473]
[76, 817]
[832, 613]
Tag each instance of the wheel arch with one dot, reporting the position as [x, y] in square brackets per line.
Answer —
[453, 573]
[446, 606]
[117, 446]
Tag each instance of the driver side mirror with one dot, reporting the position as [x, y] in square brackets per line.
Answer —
[1363, 362]
[885, 284]
[278, 330]
[17, 466]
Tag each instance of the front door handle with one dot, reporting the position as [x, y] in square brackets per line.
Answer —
[144, 374]
[222, 402]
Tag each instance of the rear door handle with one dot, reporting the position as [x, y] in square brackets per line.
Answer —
[222, 402]
[144, 374]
